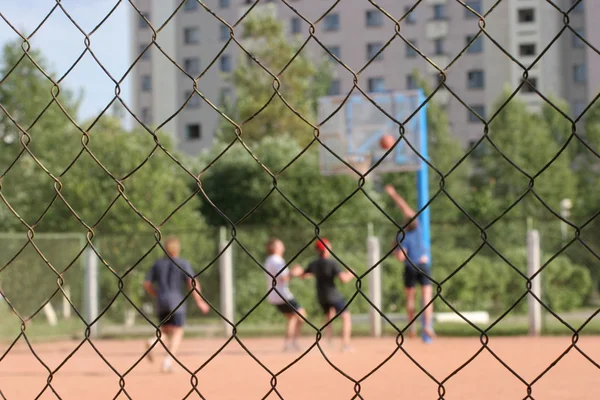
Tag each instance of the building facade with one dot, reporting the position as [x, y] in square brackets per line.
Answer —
[354, 31]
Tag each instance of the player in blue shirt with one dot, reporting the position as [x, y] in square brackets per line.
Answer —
[165, 282]
[412, 251]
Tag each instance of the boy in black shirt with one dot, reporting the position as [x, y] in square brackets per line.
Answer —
[325, 270]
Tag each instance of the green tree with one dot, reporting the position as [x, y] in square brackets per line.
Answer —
[530, 141]
[56, 143]
[236, 184]
[301, 84]
[587, 161]
[585, 204]
[28, 108]
[85, 183]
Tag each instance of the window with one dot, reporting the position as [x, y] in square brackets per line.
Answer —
[438, 45]
[475, 79]
[224, 32]
[410, 52]
[577, 42]
[579, 7]
[476, 46]
[475, 5]
[376, 84]
[527, 88]
[145, 117]
[191, 35]
[193, 132]
[372, 49]
[192, 65]
[335, 50]
[190, 5]
[527, 49]
[374, 18]
[335, 88]
[147, 54]
[225, 63]
[296, 25]
[526, 15]
[479, 109]
[226, 96]
[142, 23]
[411, 82]
[579, 107]
[194, 100]
[224, 3]
[146, 83]
[439, 11]
[332, 22]
[411, 18]
[437, 81]
[579, 73]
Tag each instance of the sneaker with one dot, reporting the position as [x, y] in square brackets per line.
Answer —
[149, 355]
[427, 339]
[347, 349]
[296, 346]
[167, 365]
[429, 332]
[291, 346]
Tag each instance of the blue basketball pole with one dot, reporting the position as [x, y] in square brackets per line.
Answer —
[423, 185]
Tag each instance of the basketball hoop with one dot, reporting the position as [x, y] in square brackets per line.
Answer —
[360, 163]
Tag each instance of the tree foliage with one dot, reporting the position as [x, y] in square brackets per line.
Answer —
[236, 184]
[86, 184]
[299, 81]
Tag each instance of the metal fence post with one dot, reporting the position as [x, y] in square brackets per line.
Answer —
[66, 306]
[226, 281]
[90, 290]
[533, 265]
[373, 257]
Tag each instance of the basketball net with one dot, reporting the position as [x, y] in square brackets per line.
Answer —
[362, 164]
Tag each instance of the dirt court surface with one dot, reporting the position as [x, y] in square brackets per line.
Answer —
[235, 375]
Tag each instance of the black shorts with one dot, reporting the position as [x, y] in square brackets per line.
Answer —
[291, 308]
[412, 276]
[338, 305]
[176, 319]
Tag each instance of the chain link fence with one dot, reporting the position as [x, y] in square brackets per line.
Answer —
[118, 193]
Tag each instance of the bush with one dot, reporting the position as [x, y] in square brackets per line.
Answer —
[565, 285]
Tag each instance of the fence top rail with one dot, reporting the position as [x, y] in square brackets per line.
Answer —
[43, 235]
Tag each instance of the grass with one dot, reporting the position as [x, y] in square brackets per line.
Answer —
[39, 329]
[504, 328]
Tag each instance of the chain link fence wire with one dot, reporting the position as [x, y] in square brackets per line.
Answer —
[503, 274]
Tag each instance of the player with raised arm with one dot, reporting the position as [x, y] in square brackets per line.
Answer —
[413, 253]
[282, 298]
[164, 283]
[326, 270]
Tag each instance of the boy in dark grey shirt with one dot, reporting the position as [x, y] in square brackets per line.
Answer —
[165, 282]
[326, 270]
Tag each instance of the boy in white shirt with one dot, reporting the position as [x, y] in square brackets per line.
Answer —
[281, 297]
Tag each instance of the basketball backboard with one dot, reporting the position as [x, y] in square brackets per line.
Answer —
[354, 131]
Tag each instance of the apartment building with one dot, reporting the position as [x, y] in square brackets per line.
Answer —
[355, 31]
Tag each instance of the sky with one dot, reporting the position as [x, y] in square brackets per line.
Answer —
[62, 43]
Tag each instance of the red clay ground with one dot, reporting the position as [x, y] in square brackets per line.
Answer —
[234, 375]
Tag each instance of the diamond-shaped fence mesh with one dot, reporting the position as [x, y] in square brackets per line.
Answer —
[87, 206]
